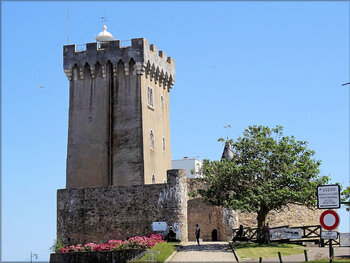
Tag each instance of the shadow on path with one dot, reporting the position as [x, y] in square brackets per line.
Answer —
[207, 248]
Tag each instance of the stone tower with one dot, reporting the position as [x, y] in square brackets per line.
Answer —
[119, 130]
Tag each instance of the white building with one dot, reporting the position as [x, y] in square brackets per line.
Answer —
[191, 165]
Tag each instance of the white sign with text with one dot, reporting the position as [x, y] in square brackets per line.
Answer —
[328, 196]
[159, 226]
[329, 234]
[286, 233]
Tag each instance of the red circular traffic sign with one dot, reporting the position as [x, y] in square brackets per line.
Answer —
[329, 219]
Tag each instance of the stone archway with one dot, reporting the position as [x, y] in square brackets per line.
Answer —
[214, 235]
[208, 218]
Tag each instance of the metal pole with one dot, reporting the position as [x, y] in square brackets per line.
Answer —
[280, 257]
[330, 251]
[31, 256]
[260, 259]
[305, 254]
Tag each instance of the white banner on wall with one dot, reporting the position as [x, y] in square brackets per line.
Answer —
[159, 226]
[286, 233]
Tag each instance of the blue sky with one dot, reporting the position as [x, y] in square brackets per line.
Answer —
[268, 63]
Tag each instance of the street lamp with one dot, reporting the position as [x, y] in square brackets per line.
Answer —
[33, 256]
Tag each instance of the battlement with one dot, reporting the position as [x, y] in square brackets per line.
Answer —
[142, 56]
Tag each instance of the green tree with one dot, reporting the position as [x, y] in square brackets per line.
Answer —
[267, 171]
[346, 197]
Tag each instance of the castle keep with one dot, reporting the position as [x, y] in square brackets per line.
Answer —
[118, 114]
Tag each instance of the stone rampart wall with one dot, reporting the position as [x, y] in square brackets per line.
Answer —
[98, 214]
[290, 215]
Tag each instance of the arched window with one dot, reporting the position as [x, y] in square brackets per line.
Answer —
[150, 96]
[162, 101]
[153, 179]
[163, 143]
[151, 139]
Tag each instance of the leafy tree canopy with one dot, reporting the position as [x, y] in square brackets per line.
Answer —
[346, 197]
[267, 171]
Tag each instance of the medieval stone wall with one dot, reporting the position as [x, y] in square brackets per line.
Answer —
[290, 215]
[98, 214]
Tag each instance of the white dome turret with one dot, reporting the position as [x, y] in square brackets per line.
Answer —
[104, 35]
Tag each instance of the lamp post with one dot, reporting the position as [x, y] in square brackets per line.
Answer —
[33, 256]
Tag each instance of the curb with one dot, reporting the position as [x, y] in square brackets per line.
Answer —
[170, 258]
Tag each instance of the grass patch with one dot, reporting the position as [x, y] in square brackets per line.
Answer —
[165, 249]
[254, 250]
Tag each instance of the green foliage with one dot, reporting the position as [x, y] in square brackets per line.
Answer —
[268, 171]
[57, 245]
[193, 193]
[345, 194]
[165, 249]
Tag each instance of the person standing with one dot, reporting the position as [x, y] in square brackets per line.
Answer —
[198, 233]
[267, 233]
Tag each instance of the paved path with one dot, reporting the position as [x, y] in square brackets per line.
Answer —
[206, 252]
[221, 252]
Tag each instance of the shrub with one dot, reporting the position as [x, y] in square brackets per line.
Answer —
[131, 243]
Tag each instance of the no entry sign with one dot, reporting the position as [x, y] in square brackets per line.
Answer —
[329, 219]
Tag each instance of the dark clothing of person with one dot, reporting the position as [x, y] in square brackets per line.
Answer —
[198, 233]
[171, 235]
[267, 233]
[240, 235]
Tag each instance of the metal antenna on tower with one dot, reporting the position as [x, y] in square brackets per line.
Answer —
[227, 127]
[68, 22]
[104, 19]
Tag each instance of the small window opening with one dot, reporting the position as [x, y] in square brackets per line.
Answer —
[151, 138]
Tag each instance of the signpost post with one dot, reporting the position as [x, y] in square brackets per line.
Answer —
[328, 197]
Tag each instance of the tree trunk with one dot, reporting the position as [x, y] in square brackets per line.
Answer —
[262, 215]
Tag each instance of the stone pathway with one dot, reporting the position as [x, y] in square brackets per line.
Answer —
[206, 252]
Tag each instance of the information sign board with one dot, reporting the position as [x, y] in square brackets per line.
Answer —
[328, 196]
[329, 234]
[159, 226]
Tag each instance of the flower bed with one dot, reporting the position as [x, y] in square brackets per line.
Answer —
[112, 245]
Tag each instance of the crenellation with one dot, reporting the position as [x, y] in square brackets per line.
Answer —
[113, 52]
[170, 60]
[162, 54]
[91, 47]
[153, 48]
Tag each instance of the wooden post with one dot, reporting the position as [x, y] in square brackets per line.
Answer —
[260, 259]
[233, 251]
[305, 254]
[280, 257]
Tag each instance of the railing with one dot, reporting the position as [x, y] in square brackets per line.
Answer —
[144, 253]
[309, 232]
